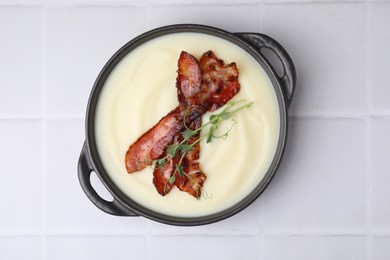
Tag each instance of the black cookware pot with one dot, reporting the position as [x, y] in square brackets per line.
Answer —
[89, 160]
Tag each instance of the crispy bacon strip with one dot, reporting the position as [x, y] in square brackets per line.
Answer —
[162, 174]
[152, 144]
[219, 81]
[193, 179]
[188, 81]
[219, 85]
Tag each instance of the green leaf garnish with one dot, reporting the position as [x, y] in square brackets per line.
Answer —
[186, 148]
[161, 162]
[172, 179]
[213, 119]
[188, 133]
[172, 149]
[210, 133]
[180, 170]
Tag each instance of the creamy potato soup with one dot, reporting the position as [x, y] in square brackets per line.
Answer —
[141, 90]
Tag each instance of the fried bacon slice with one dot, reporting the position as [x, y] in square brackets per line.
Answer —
[202, 87]
[219, 85]
[191, 179]
[162, 174]
[219, 81]
[152, 144]
[188, 81]
[209, 82]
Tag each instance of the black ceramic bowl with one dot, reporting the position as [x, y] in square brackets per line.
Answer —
[122, 205]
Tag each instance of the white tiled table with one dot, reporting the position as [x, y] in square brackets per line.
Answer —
[330, 198]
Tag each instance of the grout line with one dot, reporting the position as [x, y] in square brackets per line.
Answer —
[314, 233]
[76, 4]
[206, 4]
[380, 116]
[368, 83]
[140, 4]
[381, 233]
[77, 232]
[44, 130]
[20, 233]
[38, 118]
[20, 118]
[314, 116]
[368, 186]
[148, 234]
[311, 2]
[89, 5]
[64, 118]
[341, 115]
[22, 4]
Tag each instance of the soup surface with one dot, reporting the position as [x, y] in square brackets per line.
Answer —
[141, 90]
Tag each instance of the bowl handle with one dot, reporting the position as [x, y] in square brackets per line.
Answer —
[85, 168]
[289, 77]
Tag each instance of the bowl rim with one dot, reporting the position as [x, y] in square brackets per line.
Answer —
[134, 206]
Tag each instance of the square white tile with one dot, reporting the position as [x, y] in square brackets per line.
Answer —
[97, 247]
[328, 45]
[68, 208]
[20, 67]
[380, 150]
[321, 248]
[21, 166]
[213, 15]
[321, 184]
[380, 57]
[20, 248]
[380, 248]
[79, 43]
[210, 247]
